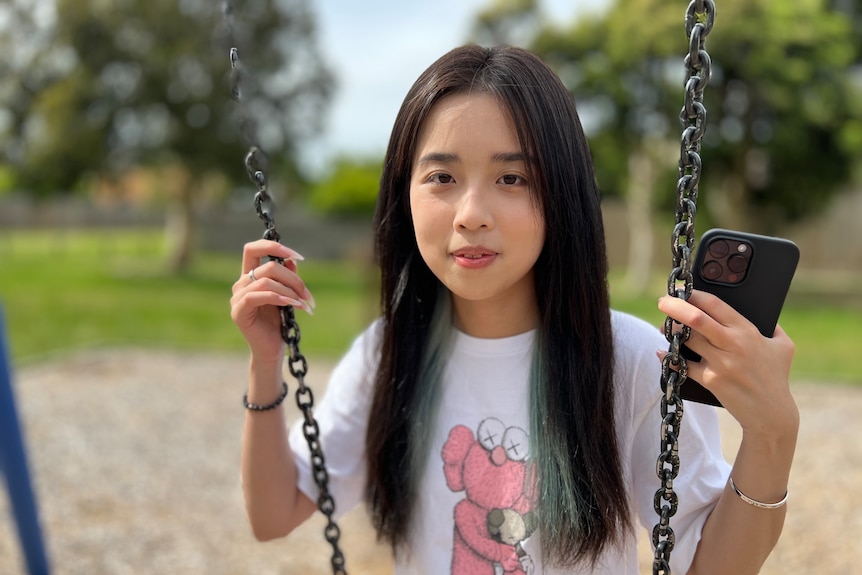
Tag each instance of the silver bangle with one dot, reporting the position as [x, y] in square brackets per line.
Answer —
[757, 503]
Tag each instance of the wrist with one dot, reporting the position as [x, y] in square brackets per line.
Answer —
[773, 436]
[264, 381]
[266, 370]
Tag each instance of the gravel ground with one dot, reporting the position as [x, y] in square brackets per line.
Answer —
[135, 462]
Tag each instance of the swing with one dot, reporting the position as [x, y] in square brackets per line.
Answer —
[699, 20]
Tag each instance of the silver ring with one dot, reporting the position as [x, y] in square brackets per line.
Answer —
[251, 275]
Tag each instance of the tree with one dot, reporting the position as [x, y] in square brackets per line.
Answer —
[784, 119]
[349, 189]
[31, 62]
[145, 83]
[512, 22]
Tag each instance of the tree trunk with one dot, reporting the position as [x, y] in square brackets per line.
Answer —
[180, 226]
[730, 206]
[642, 179]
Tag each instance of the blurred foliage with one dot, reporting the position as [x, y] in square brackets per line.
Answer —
[513, 22]
[95, 89]
[100, 86]
[350, 188]
[784, 101]
[7, 180]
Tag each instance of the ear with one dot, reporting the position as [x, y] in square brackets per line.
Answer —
[454, 453]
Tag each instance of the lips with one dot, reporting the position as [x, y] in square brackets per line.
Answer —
[474, 256]
[473, 252]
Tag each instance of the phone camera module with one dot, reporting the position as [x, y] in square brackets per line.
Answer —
[727, 261]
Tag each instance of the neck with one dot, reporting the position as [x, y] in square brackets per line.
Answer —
[490, 319]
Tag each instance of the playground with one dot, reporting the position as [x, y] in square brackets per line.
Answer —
[127, 375]
[134, 456]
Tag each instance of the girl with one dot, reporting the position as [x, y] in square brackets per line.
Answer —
[499, 417]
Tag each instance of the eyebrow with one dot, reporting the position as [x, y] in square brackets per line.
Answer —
[438, 157]
[447, 158]
[509, 157]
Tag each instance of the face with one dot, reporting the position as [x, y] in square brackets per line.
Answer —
[477, 226]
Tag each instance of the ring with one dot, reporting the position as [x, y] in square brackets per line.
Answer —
[251, 275]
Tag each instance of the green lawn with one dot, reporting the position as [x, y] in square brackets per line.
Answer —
[824, 321]
[72, 290]
[85, 289]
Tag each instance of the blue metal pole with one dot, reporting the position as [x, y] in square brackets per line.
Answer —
[13, 466]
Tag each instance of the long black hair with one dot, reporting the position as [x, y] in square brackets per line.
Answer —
[581, 502]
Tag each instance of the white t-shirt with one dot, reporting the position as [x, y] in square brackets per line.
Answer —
[479, 449]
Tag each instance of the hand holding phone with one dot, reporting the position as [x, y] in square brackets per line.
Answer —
[751, 273]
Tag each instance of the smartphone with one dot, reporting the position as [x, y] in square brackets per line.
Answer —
[752, 273]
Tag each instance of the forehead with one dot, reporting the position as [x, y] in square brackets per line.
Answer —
[474, 119]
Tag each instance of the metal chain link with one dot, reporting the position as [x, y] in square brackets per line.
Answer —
[699, 20]
[256, 166]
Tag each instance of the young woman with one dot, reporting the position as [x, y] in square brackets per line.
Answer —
[499, 417]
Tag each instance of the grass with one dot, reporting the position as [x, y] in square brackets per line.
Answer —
[67, 290]
[825, 323]
[106, 289]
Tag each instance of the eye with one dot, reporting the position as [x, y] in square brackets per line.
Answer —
[512, 180]
[516, 442]
[441, 178]
[490, 433]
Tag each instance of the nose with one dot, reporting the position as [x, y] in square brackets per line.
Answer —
[498, 456]
[473, 210]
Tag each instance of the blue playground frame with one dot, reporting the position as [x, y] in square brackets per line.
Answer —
[13, 466]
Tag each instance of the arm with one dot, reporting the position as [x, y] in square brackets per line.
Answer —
[274, 504]
[749, 373]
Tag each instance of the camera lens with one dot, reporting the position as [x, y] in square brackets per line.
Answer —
[737, 263]
[711, 270]
[718, 248]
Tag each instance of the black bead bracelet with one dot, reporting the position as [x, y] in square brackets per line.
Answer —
[273, 405]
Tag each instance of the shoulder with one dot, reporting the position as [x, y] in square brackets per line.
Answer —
[634, 336]
[362, 357]
[637, 369]
[367, 343]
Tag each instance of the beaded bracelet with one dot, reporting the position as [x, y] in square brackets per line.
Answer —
[273, 405]
[757, 503]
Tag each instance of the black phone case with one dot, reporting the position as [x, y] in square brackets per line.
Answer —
[759, 296]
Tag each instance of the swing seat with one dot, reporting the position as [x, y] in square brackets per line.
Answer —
[13, 467]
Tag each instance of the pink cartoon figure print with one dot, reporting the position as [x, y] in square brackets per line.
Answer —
[495, 517]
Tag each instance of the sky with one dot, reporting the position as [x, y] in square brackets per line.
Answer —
[377, 48]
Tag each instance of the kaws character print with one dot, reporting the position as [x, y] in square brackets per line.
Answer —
[496, 516]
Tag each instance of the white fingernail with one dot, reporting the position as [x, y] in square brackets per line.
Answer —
[294, 255]
[310, 299]
[308, 308]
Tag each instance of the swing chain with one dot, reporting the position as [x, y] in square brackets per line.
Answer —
[256, 166]
[699, 20]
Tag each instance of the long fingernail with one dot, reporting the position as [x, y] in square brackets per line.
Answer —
[294, 255]
[308, 308]
[309, 298]
[297, 304]
[291, 302]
